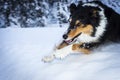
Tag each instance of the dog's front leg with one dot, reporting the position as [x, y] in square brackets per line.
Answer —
[77, 48]
[59, 54]
[62, 45]
[73, 48]
[63, 52]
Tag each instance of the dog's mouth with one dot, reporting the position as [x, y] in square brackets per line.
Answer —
[74, 39]
[70, 41]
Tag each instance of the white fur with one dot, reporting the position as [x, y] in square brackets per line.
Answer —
[99, 29]
[62, 53]
[90, 4]
[59, 54]
[48, 58]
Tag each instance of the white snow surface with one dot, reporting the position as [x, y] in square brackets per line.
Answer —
[21, 51]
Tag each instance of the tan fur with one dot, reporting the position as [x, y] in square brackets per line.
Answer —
[76, 47]
[62, 45]
[81, 29]
[77, 22]
[95, 13]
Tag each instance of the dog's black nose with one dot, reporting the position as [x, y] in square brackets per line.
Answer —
[65, 36]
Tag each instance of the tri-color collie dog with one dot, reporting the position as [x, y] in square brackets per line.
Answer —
[91, 25]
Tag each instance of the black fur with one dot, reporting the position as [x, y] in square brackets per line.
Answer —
[112, 32]
[86, 16]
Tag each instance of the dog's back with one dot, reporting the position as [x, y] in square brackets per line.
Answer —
[113, 27]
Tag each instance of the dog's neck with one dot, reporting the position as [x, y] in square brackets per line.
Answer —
[99, 29]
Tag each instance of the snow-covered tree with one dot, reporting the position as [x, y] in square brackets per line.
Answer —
[38, 13]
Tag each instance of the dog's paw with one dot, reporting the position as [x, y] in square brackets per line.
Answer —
[48, 58]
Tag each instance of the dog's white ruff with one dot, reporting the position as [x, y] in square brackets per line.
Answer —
[99, 29]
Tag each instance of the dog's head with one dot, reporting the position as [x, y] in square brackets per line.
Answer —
[83, 20]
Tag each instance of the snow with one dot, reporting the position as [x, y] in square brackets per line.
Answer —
[21, 51]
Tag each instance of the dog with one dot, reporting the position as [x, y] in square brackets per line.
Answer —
[91, 24]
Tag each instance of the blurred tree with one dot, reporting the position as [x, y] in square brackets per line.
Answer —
[38, 13]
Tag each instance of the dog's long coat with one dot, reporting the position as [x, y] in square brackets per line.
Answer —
[91, 24]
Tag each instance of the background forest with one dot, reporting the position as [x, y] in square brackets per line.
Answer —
[39, 13]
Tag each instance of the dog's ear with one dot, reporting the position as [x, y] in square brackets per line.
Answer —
[72, 7]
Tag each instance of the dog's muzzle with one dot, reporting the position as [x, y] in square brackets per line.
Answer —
[74, 39]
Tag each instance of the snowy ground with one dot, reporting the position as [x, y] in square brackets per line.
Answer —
[21, 51]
